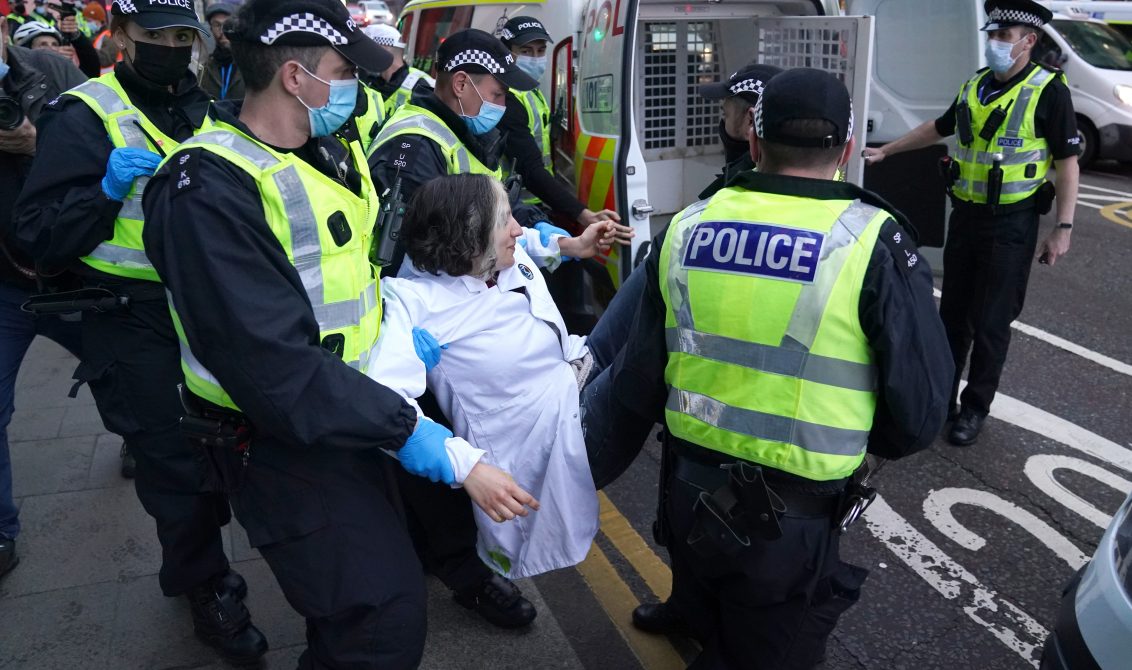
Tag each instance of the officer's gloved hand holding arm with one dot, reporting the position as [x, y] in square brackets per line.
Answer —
[915, 369]
[248, 320]
[62, 213]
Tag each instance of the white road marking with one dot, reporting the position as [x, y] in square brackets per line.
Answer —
[1006, 621]
[1082, 203]
[1040, 469]
[1102, 189]
[937, 509]
[1104, 198]
[1072, 347]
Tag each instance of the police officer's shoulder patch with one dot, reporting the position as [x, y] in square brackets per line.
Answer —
[403, 151]
[900, 244]
[184, 171]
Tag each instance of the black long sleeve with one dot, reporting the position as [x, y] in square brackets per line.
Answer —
[522, 148]
[89, 62]
[899, 317]
[62, 213]
[248, 319]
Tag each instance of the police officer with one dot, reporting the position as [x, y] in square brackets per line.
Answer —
[527, 125]
[261, 229]
[787, 327]
[398, 83]
[1014, 120]
[737, 96]
[81, 209]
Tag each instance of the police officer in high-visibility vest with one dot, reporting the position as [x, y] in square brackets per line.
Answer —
[738, 94]
[452, 130]
[81, 209]
[376, 109]
[264, 242]
[1014, 121]
[787, 328]
[399, 82]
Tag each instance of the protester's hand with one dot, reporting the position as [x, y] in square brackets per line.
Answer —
[69, 26]
[124, 166]
[596, 238]
[424, 454]
[497, 494]
[1055, 246]
[589, 217]
[873, 155]
[427, 348]
[19, 141]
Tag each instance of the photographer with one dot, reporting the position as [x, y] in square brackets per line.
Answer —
[28, 81]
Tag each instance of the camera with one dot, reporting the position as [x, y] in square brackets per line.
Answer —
[11, 114]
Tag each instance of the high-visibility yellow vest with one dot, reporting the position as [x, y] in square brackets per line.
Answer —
[326, 231]
[538, 120]
[767, 360]
[17, 18]
[370, 122]
[404, 92]
[413, 120]
[1026, 158]
[123, 254]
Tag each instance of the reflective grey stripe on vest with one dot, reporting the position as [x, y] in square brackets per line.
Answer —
[1010, 156]
[1021, 105]
[306, 248]
[428, 124]
[809, 436]
[775, 360]
[111, 103]
[187, 356]
[533, 100]
[813, 298]
[411, 80]
[677, 282]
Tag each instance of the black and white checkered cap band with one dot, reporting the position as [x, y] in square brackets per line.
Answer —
[506, 34]
[748, 85]
[475, 57]
[127, 6]
[758, 121]
[998, 15]
[388, 42]
[303, 23]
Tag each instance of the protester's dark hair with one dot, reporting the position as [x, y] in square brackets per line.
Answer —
[449, 224]
[258, 62]
[775, 156]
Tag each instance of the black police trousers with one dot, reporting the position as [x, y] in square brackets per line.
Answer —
[132, 362]
[771, 607]
[324, 522]
[986, 263]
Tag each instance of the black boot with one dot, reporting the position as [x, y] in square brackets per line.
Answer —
[129, 465]
[223, 623]
[966, 428]
[8, 556]
[233, 584]
[662, 619]
[498, 600]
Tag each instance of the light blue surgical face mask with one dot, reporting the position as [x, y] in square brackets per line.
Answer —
[535, 66]
[338, 109]
[999, 55]
[488, 118]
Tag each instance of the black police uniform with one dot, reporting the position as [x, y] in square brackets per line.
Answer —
[775, 603]
[130, 357]
[988, 254]
[314, 495]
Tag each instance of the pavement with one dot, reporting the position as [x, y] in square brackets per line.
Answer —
[968, 548]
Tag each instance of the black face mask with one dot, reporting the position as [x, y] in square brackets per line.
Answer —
[732, 148]
[159, 64]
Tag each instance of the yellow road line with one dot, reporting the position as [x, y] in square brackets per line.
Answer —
[1119, 213]
[654, 652]
[633, 547]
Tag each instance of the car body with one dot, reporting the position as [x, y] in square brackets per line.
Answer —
[1094, 623]
[357, 13]
[377, 12]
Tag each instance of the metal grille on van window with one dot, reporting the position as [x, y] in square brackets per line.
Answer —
[679, 56]
[791, 46]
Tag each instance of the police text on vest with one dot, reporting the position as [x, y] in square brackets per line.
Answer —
[755, 249]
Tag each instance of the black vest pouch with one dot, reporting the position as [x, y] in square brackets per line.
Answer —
[339, 228]
[994, 122]
[1046, 194]
[963, 124]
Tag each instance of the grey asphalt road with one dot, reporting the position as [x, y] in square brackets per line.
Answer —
[1025, 543]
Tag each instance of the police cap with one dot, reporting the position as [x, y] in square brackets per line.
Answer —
[478, 52]
[747, 83]
[523, 30]
[159, 14]
[804, 94]
[1008, 13]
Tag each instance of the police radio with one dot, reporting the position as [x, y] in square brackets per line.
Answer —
[389, 225]
[994, 181]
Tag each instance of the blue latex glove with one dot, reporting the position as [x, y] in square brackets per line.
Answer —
[124, 166]
[424, 454]
[545, 230]
[428, 349]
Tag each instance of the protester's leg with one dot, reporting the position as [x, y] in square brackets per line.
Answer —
[613, 439]
[327, 530]
[17, 330]
[612, 329]
[1010, 257]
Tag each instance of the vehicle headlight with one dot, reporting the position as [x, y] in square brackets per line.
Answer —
[1124, 94]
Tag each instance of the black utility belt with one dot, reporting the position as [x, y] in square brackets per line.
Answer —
[711, 478]
[99, 298]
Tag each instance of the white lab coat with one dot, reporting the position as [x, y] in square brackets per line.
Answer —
[506, 383]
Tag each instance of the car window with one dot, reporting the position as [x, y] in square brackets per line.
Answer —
[1097, 44]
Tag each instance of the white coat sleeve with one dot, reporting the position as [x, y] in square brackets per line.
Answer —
[394, 363]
